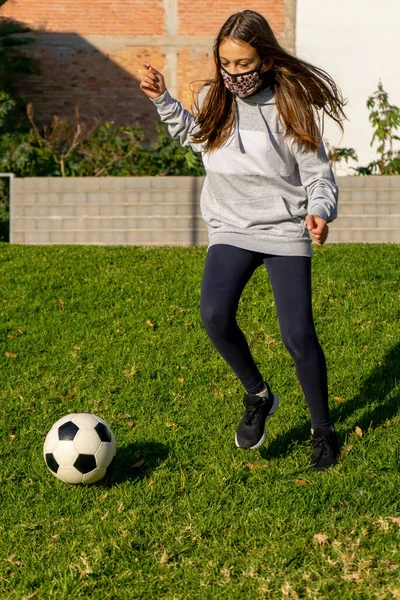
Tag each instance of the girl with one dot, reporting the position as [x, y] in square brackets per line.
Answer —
[268, 192]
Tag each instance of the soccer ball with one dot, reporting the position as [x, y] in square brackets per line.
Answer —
[79, 448]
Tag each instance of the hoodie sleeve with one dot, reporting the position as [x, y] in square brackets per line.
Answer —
[180, 122]
[319, 182]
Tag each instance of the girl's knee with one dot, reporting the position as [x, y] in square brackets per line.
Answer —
[300, 342]
[215, 319]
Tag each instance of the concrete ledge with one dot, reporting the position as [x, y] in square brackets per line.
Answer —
[166, 210]
[365, 235]
[369, 182]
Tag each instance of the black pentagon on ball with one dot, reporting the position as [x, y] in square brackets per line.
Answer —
[103, 432]
[51, 462]
[67, 431]
[85, 463]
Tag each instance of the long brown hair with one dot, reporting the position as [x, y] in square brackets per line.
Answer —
[300, 89]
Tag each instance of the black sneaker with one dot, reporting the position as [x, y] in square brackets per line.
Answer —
[251, 431]
[325, 448]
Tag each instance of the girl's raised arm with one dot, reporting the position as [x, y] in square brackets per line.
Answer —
[179, 121]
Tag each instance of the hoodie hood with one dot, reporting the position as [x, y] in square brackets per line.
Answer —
[263, 96]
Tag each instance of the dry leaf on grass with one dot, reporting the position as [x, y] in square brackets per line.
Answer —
[359, 432]
[172, 425]
[83, 572]
[164, 559]
[320, 538]
[252, 466]
[17, 563]
[11, 355]
[338, 399]
[130, 423]
[356, 577]
[29, 596]
[181, 379]
[289, 592]
[61, 304]
[346, 450]
[300, 481]
[138, 464]
[149, 323]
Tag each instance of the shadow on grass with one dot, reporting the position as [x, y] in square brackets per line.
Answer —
[135, 461]
[372, 398]
[283, 443]
[373, 402]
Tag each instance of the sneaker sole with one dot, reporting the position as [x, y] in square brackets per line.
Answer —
[273, 410]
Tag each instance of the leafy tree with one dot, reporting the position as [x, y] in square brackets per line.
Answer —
[12, 60]
[13, 63]
[385, 119]
[7, 107]
[337, 155]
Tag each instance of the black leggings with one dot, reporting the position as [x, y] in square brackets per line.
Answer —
[226, 273]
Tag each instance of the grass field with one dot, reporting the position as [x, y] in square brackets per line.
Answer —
[185, 515]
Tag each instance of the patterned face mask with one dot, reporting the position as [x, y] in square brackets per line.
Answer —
[243, 84]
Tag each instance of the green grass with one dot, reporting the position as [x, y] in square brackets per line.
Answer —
[117, 332]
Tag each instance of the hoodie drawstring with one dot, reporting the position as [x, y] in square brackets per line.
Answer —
[267, 132]
[238, 139]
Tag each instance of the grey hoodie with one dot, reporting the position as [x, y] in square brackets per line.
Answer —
[259, 187]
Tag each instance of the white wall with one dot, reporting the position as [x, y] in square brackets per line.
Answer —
[357, 42]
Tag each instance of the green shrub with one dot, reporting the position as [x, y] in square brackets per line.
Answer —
[107, 150]
[165, 156]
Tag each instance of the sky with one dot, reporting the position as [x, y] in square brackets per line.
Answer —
[358, 43]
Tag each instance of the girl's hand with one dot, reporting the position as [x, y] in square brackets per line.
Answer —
[317, 228]
[152, 83]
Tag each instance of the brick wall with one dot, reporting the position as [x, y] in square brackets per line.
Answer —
[205, 17]
[165, 211]
[91, 52]
[75, 72]
[91, 17]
